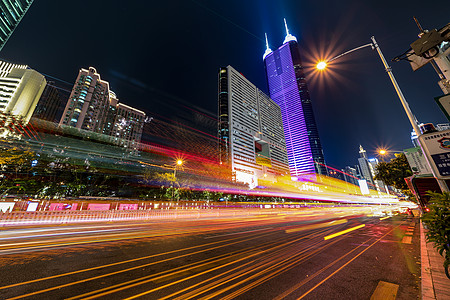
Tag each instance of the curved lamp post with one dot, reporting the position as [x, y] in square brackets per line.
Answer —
[178, 163]
[323, 64]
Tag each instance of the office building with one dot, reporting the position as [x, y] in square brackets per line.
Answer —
[288, 88]
[250, 130]
[367, 169]
[20, 90]
[365, 166]
[92, 106]
[350, 175]
[12, 11]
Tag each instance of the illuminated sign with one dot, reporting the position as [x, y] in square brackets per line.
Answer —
[363, 186]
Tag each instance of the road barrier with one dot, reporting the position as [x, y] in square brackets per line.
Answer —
[21, 218]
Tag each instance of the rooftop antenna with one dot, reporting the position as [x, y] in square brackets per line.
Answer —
[289, 37]
[268, 50]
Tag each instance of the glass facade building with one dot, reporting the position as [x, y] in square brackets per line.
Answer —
[288, 88]
[11, 12]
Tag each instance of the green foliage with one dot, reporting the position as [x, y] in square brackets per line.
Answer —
[437, 221]
[16, 158]
[394, 172]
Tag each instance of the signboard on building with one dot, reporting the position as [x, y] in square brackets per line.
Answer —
[417, 161]
[436, 146]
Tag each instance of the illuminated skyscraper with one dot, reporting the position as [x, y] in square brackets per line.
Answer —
[20, 90]
[250, 130]
[12, 11]
[288, 88]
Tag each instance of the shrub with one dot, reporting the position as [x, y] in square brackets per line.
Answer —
[437, 220]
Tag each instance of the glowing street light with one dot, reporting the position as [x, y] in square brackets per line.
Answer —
[382, 151]
[405, 104]
[321, 65]
[178, 163]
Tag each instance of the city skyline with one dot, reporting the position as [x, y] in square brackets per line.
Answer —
[351, 107]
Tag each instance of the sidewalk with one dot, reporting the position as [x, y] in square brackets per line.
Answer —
[435, 284]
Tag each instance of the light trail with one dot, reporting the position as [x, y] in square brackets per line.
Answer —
[343, 232]
[347, 263]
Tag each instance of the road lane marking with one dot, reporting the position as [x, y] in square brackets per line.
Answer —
[407, 240]
[343, 232]
[385, 291]
[384, 218]
[311, 277]
[315, 226]
[347, 263]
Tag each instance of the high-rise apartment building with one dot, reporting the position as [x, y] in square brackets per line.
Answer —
[288, 88]
[128, 126]
[92, 106]
[20, 90]
[88, 102]
[12, 11]
[250, 130]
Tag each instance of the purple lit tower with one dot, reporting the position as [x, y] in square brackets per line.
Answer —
[288, 88]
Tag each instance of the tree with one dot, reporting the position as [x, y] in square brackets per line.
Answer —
[16, 158]
[394, 172]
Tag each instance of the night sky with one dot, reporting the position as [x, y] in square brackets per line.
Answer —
[160, 56]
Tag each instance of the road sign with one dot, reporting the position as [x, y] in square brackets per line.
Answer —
[436, 146]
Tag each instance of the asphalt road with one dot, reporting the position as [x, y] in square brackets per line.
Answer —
[282, 256]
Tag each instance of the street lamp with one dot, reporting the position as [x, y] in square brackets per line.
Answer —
[322, 65]
[178, 163]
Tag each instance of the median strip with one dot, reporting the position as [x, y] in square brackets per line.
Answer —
[343, 232]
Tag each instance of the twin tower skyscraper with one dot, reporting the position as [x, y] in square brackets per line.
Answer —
[294, 133]
[288, 88]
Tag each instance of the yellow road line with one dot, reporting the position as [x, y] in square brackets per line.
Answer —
[315, 226]
[343, 232]
[384, 218]
[385, 291]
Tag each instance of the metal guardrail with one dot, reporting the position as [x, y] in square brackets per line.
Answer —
[21, 218]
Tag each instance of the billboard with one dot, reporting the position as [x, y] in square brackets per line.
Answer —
[7, 206]
[32, 206]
